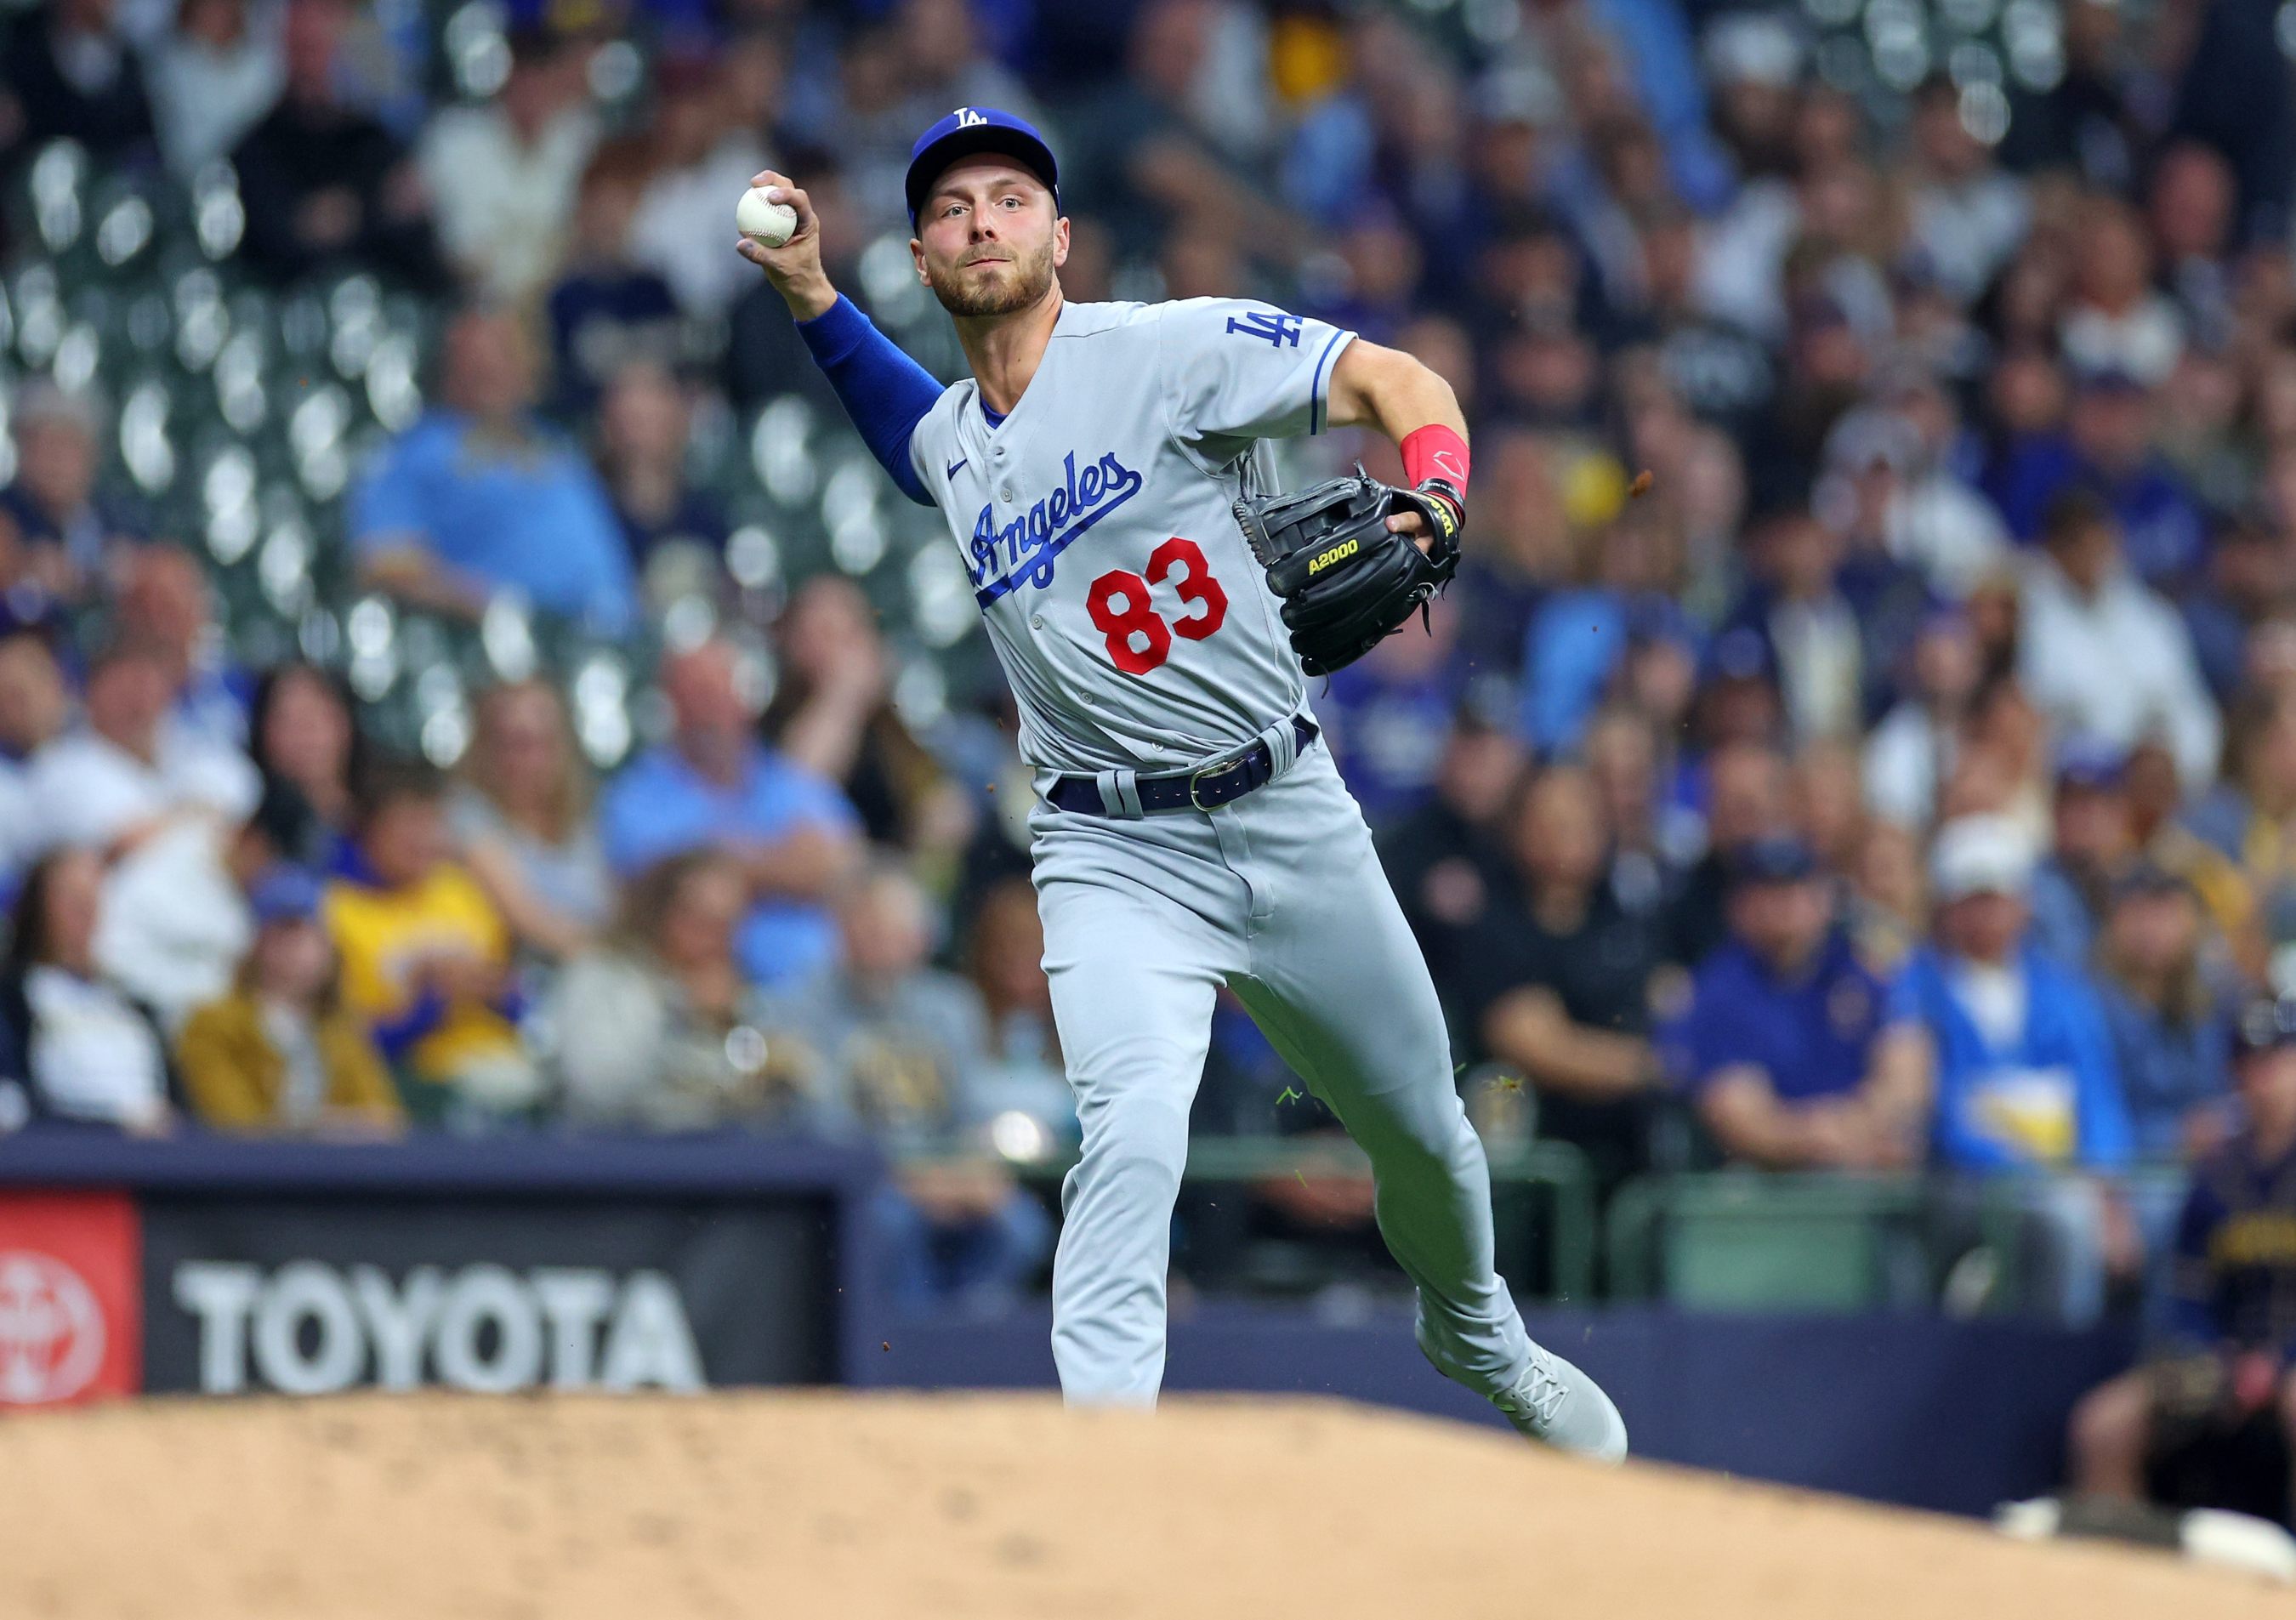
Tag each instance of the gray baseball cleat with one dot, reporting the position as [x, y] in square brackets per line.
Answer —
[1556, 1405]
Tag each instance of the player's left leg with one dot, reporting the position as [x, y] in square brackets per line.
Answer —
[1338, 985]
[1370, 1062]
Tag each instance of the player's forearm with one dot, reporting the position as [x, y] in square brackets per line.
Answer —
[806, 865]
[825, 736]
[414, 577]
[1595, 1064]
[809, 295]
[532, 918]
[1529, 1029]
[1752, 1125]
[1898, 1091]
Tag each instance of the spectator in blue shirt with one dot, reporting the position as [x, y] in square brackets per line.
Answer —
[2169, 1007]
[2025, 1072]
[479, 496]
[1579, 636]
[713, 784]
[2095, 834]
[2247, 579]
[2168, 1003]
[1798, 1055]
[2107, 449]
[2026, 1075]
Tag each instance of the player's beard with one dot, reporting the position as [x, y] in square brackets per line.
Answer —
[1031, 278]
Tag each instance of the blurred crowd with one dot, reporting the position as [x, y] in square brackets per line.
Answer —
[1907, 780]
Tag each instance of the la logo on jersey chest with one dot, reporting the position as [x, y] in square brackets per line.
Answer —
[1002, 557]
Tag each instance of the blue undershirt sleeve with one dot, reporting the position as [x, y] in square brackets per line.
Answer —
[884, 391]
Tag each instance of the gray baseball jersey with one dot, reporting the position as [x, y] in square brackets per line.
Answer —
[1129, 614]
[1139, 633]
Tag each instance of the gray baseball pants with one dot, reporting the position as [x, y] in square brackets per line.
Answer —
[1279, 896]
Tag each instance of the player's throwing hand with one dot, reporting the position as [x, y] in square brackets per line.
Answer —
[794, 268]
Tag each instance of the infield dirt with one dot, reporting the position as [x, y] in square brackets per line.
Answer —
[441, 1507]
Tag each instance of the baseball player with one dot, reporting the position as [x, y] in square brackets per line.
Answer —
[1155, 602]
[2210, 1419]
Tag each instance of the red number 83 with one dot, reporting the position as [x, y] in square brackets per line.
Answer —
[1140, 638]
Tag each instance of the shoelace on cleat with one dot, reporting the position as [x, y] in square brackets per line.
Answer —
[1539, 1388]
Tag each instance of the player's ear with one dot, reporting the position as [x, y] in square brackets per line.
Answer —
[917, 252]
[1060, 241]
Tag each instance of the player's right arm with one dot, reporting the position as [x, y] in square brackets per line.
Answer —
[884, 391]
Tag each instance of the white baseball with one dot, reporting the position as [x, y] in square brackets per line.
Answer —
[763, 221]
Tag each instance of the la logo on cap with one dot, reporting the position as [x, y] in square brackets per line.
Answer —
[967, 117]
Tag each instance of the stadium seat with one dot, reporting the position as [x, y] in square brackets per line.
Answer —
[1746, 1241]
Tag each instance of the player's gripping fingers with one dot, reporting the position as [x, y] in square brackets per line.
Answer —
[1412, 524]
[776, 261]
[780, 188]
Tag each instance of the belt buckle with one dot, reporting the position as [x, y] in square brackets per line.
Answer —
[1194, 777]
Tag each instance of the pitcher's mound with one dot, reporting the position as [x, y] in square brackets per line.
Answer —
[436, 1508]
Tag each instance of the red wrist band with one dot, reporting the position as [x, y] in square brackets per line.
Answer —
[1434, 452]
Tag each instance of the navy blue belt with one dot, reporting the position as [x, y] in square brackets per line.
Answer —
[1205, 788]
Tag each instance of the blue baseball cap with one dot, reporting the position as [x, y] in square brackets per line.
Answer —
[978, 129]
[2106, 374]
[284, 893]
[1777, 858]
[1742, 653]
[2091, 764]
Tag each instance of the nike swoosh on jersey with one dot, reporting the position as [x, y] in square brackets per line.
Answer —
[955, 466]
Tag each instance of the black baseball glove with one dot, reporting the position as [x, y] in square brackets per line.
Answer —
[1348, 583]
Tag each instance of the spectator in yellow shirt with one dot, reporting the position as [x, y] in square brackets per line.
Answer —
[427, 958]
[278, 1053]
